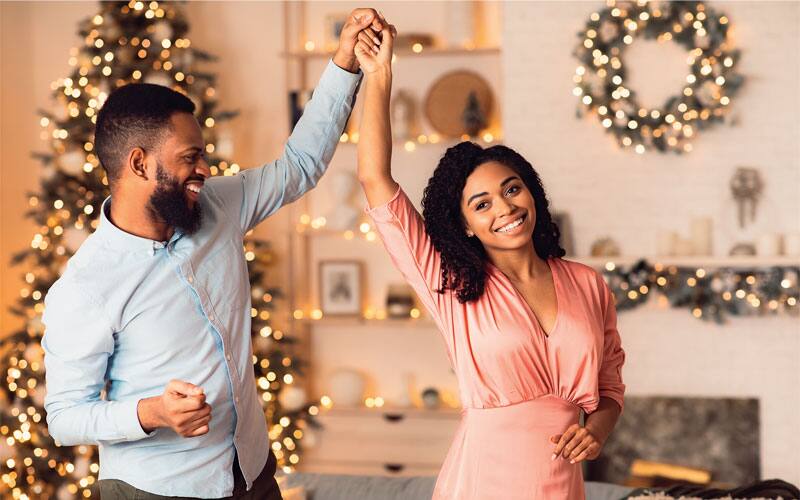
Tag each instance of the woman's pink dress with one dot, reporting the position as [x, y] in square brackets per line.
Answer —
[518, 386]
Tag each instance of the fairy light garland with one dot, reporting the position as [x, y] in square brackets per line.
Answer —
[705, 98]
[708, 294]
[487, 138]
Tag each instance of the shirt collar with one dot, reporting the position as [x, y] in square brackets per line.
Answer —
[122, 240]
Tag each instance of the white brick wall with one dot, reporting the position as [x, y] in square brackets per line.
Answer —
[630, 197]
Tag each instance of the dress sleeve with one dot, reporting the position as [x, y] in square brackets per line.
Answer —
[610, 378]
[402, 231]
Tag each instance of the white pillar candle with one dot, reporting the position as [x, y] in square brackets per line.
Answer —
[701, 235]
[768, 245]
[791, 244]
[224, 145]
[684, 247]
[666, 242]
[460, 24]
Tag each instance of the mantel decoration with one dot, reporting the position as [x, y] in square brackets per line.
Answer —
[710, 84]
[711, 294]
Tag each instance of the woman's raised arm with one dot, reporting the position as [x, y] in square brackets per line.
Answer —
[375, 133]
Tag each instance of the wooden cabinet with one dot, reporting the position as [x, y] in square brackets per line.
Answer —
[402, 442]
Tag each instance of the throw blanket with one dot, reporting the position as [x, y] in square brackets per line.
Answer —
[771, 488]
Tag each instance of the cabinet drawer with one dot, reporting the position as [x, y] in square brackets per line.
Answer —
[368, 468]
[395, 424]
[383, 438]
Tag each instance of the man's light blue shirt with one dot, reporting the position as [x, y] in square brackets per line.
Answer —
[131, 314]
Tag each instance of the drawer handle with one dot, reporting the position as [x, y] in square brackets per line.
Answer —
[394, 468]
[394, 417]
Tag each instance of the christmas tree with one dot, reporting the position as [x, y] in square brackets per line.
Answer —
[124, 42]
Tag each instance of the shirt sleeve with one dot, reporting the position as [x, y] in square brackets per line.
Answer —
[77, 343]
[402, 231]
[610, 377]
[255, 194]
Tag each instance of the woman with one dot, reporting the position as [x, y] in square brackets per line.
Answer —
[531, 337]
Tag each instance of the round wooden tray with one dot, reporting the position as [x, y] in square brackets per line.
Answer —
[447, 98]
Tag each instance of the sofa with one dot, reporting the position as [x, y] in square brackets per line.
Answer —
[340, 487]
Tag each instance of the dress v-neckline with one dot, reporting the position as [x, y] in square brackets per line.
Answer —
[552, 265]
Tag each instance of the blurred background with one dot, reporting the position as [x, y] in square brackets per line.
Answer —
[666, 135]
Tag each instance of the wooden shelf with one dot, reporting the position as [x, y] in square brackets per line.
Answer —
[361, 322]
[698, 261]
[332, 233]
[686, 261]
[427, 51]
[388, 412]
[442, 143]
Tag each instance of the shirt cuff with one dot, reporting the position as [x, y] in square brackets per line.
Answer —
[335, 80]
[128, 418]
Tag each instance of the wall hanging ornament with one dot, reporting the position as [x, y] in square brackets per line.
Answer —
[709, 85]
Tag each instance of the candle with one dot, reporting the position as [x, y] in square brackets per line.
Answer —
[791, 244]
[666, 243]
[684, 247]
[701, 235]
[768, 245]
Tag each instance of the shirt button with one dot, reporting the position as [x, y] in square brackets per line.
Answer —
[228, 357]
[211, 317]
[190, 279]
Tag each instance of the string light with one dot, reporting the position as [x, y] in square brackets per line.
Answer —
[488, 136]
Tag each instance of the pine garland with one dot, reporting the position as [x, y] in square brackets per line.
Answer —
[709, 295]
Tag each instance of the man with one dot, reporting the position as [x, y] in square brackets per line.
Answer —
[154, 308]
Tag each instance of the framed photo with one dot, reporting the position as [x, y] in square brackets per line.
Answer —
[341, 287]
[333, 28]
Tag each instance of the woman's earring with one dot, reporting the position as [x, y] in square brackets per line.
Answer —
[470, 234]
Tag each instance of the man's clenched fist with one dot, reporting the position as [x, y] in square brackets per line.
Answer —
[182, 408]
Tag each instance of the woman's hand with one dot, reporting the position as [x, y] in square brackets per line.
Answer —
[576, 444]
[374, 51]
[359, 20]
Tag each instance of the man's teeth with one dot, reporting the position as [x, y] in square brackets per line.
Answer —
[509, 227]
[195, 188]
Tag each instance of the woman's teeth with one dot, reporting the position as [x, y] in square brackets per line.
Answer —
[509, 227]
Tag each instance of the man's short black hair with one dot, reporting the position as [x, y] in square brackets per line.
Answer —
[135, 115]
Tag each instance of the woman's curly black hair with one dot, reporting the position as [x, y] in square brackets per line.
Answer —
[464, 258]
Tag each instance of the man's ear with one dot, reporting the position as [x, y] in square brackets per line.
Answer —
[136, 163]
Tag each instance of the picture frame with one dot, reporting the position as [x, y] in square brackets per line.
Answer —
[333, 29]
[341, 287]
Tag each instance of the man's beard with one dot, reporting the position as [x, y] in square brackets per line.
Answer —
[170, 205]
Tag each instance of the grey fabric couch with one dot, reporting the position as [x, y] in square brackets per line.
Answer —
[332, 487]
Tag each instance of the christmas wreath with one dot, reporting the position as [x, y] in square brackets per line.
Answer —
[709, 86]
